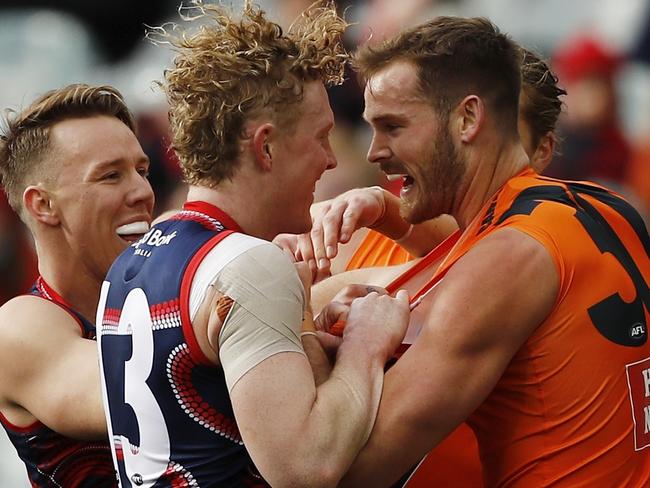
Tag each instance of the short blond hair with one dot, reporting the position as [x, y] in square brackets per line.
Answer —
[230, 71]
[25, 140]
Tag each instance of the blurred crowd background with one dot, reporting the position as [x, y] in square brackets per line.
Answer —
[600, 50]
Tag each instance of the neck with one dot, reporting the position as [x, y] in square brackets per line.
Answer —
[244, 203]
[486, 174]
[69, 278]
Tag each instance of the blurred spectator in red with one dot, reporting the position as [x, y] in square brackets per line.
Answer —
[164, 173]
[593, 146]
[17, 257]
[639, 172]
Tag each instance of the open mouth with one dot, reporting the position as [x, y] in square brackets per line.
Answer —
[133, 231]
[407, 180]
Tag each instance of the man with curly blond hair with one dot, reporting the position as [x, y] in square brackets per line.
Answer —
[202, 338]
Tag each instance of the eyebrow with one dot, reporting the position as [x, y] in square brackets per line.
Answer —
[111, 163]
[383, 118]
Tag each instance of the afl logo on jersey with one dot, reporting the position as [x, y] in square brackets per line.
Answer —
[137, 479]
[637, 331]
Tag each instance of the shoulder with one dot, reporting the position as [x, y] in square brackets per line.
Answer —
[259, 264]
[245, 253]
[500, 290]
[30, 315]
[34, 333]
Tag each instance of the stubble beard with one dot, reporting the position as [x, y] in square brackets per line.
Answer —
[437, 182]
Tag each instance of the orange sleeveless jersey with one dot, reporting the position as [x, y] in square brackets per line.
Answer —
[573, 406]
[377, 250]
[454, 462]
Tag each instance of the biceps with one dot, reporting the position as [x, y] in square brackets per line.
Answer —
[437, 384]
[65, 394]
[271, 401]
[246, 340]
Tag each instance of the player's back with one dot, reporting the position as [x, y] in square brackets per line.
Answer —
[572, 407]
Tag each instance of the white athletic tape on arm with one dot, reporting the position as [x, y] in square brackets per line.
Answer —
[267, 314]
[213, 262]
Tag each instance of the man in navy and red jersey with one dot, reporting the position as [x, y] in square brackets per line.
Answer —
[206, 360]
[74, 171]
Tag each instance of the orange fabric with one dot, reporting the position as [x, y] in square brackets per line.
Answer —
[573, 406]
[454, 462]
[377, 250]
[638, 178]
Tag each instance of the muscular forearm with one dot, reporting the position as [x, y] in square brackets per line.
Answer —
[391, 224]
[343, 413]
[318, 359]
[316, 355]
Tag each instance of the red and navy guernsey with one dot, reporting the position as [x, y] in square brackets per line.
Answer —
[170, 418]
[53, 460]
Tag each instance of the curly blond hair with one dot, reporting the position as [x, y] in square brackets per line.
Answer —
[25, 139]
[232, 70]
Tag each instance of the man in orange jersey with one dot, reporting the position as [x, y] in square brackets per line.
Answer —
[456, 459]
[537, 335]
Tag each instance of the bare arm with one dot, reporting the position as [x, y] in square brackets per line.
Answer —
[324, 291]
[49, 369]
[485, 308]
[299, 434]
[336, 221]
[302, 435]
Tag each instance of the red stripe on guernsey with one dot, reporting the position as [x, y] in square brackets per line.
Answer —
[16, 428]
[166, 314]
[437, 252]
[186, 284]
[119, 453]
[111, 319]
[207, 215]
[48, 293]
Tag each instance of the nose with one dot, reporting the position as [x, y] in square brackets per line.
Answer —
[140, 193]
[331, 161]
[378, 151]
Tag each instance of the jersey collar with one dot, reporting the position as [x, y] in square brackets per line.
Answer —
[214, 212]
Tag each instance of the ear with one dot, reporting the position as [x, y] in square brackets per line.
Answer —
[39, 204]
[471, 115]
[262, 145]
[543, 154]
